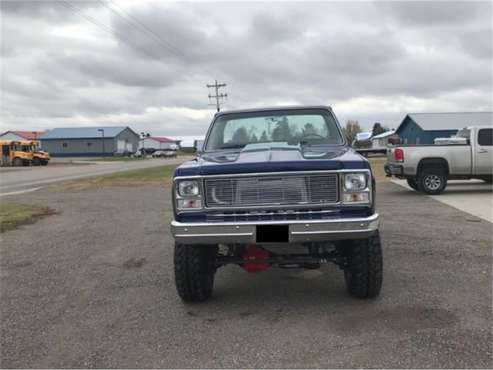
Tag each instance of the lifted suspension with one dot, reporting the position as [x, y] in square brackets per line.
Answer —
[256, 259]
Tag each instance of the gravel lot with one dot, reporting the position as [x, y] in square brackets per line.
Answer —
[92, 286]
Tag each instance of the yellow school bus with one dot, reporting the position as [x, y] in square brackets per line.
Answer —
[22, 153]
[39, 157]
[13, 154]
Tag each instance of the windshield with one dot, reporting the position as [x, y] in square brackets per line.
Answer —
[304, 127]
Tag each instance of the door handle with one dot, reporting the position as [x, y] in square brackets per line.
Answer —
[482, 151]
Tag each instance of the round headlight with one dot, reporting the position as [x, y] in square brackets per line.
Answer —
[355, 181]
[188, 188]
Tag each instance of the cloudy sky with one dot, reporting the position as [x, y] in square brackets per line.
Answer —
[146, 63]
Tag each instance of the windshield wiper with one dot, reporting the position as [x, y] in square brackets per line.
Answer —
[305, 142]
[232, 146]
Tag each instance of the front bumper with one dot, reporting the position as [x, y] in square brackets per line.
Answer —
[299, 230]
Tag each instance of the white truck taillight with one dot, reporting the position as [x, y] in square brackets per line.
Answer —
[399, 155]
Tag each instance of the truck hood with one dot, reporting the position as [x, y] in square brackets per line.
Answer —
[273, 157]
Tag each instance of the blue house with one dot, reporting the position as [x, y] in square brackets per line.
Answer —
[423, 128]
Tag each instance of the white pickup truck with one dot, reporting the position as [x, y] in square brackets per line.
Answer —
[428, 167]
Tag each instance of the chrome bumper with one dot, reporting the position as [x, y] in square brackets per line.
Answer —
[299, 230]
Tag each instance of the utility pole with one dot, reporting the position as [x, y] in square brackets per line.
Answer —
[217, 96]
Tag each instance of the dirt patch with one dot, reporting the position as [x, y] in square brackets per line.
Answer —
[398, 319]
[22, 264]
[134, 263]
[13, 215]
[377, 168]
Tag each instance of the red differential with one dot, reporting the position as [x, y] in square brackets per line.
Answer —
[255, 258]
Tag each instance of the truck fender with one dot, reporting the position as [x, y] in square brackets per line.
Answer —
[433, 162]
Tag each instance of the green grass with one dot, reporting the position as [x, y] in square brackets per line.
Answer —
[161, 175]
[153, 173]
[113, 159]
[13, 215]
[180, 153]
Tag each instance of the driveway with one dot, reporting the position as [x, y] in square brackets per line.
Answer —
[472, 196]
[93, 286]
[20, 179]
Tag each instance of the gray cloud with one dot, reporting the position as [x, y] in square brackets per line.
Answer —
[396, 56]
[44, 9]
[436, 13]
[478, 42]
[271, 28]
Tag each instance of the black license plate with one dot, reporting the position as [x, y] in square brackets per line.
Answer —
[272, 233]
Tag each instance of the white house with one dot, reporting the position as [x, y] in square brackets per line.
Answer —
[190, 142]
[380, 141]
[159, 143]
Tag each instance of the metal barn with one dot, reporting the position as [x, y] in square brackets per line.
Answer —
[90, 141]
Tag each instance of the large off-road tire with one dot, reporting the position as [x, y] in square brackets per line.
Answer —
[18, 162]
[195, 267]
[36, 162]
[432, 180]
[364, 269]
[44, 162]
[412, 183]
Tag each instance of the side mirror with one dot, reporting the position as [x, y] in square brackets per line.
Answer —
[199, 146]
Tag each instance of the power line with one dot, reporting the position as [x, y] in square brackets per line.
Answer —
[86, 17]
[219, 97]
[142, 27]
[167, 45]
[103, 26]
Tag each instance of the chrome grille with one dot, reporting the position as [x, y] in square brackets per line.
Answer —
[271, 190]
[273, 215]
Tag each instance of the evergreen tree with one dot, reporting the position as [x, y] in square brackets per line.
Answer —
[378, 129]
[281, 132]
[240, 136]
[263, 137]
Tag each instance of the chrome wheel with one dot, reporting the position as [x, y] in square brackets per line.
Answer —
[433, 182]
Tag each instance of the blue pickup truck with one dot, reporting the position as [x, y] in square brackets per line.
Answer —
[275, 187]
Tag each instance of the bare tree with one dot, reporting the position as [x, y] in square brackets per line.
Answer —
[351, 129]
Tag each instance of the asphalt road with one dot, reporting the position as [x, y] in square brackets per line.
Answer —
[93, 286]
[22, 178]
[472, 196]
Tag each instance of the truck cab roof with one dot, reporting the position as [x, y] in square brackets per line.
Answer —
[275, 108]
